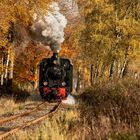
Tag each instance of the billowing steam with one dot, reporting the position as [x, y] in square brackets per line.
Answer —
[49, 29]
[70, 100]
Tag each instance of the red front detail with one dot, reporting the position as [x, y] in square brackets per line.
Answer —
[46, 91]
[61, 92]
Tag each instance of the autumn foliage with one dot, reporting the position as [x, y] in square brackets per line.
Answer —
[102, 39]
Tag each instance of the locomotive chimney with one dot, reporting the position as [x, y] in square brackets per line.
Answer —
[55, 58]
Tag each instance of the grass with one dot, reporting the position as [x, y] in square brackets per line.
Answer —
[110, 111]
[56, 128]
[8, 106]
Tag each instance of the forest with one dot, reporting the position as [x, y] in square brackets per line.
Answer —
[102, 40]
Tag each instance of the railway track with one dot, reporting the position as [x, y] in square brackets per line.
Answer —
[13, 124]
[7, 119]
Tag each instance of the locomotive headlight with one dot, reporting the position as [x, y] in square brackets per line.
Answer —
[45, 83]
[55, 62]
[66, 65]
[63, 83]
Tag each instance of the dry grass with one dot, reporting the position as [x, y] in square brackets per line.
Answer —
[8, 106]
[56, 128]
[110, 111]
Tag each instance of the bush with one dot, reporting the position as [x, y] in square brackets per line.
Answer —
[112, 109]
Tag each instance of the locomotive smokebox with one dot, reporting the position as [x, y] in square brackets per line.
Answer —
[55, 58]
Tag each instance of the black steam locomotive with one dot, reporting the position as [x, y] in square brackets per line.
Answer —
[55, 78]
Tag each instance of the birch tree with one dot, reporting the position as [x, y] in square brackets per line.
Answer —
[108, 40]
[12, 13]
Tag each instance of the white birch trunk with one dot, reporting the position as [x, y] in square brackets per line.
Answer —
[125, 62]
[11, 65]
[2, 74]
[7, 64]
[111, 69]
[123, 68]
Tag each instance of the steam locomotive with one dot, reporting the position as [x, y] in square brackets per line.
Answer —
[55, 78]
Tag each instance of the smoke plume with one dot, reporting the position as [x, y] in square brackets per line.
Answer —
[49, 29]
[70, 100]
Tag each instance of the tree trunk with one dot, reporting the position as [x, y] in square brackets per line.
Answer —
[91, 74]
[124, 68]
[11, 66]
[96, 70]
[2, 70]
[124, 73]
[111, 70]
[7, 64]
[78, 82]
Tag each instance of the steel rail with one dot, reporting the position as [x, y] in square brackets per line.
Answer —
[8, 119]
[29, 123]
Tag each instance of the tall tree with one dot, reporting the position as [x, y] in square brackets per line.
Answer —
[109, 38]
[15, 12]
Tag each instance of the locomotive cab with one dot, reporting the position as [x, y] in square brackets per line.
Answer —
[55, 78]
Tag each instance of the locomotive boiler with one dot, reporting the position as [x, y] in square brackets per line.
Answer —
[55, 77]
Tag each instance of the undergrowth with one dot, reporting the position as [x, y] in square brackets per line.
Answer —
[110, 111]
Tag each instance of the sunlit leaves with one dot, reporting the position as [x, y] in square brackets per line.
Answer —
[110, 38]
